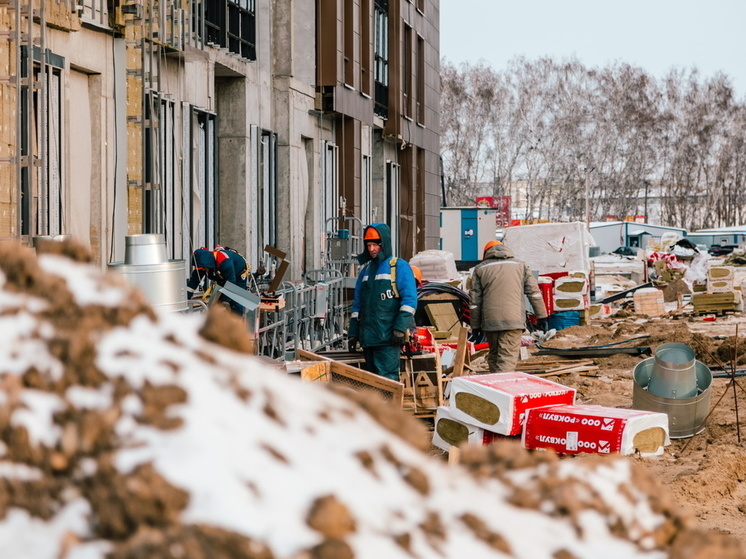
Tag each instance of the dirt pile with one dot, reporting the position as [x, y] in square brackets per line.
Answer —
[129, 434]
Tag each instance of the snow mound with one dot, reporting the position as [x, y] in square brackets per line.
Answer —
[129, 434]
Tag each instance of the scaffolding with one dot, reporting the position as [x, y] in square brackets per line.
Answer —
[22, 158]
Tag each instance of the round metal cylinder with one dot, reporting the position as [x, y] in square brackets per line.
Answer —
[144, 249]
[686, 416]
[674, 372]
[37, 239]
[164, 284]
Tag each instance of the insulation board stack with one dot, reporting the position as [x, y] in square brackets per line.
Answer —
[720, 279]
[551, 247]
[599, 311]
[574, 429]
[448, 431]
[649, 301]
[436, 264]
[716, 302]
[498, 402]
[571, 292]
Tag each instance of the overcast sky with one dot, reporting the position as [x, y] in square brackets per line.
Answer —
[654, 34]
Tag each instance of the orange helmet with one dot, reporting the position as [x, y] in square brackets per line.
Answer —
[417, 273]
[372, 234]
[488, 246]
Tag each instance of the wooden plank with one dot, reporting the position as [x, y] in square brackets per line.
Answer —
[442, 316]
[461, 353]
[309, 355]
[454, 456]
[566, 371]
[316, 372]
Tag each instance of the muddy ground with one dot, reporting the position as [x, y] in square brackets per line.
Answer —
[706, 472]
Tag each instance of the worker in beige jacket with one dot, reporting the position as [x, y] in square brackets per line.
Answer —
[499, 283]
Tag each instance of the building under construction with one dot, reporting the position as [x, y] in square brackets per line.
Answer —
[241, 122]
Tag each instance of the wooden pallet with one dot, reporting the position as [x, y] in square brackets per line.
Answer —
[355, 378]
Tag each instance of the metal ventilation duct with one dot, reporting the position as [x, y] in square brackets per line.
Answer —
[162, 281]
[673, 374]
[686, 416]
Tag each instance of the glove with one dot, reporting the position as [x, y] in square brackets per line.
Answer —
[542, 324]
[397, 337]
[352, 344]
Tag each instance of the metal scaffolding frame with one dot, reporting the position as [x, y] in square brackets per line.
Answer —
[314, 316]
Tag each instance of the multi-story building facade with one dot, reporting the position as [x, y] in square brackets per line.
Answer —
[241, 122]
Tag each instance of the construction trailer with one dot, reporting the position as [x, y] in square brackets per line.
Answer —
[465, 230]
[609, 236]
[735, 235]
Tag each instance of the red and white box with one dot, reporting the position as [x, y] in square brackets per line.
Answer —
[575, 429]
[448, 432]
[498, 402]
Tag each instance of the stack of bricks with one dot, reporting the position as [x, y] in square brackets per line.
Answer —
[649, 301]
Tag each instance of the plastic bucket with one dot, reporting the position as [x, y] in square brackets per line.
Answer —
[562, 320]
[673, 373]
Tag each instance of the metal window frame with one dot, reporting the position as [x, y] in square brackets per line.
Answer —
[381, 58]
[366, 188]
[41, 181]
[393, 185]
[230, 24]
[263, 192]
[202, 177]
[329, 174]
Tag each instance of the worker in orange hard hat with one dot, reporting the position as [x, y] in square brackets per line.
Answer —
[488, 246]
[372, 234]
[417, 274]
[384, 303]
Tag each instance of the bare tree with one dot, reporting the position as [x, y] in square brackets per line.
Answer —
[583, 143]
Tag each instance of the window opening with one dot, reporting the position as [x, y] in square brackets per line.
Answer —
[159, 195]
[407, 73]
[41, 140]
[230, 24]
[393, 180]
[329, 184]
[202, 200]
[420, 108]
[381, 55]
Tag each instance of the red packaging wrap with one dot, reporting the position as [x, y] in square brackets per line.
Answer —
[574, 429]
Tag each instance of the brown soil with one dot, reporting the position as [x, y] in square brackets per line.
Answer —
[706, 472]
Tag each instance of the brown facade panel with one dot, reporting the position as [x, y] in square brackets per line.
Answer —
[349, 140]
[329, 39]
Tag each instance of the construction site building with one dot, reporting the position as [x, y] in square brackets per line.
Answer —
[241, 122]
